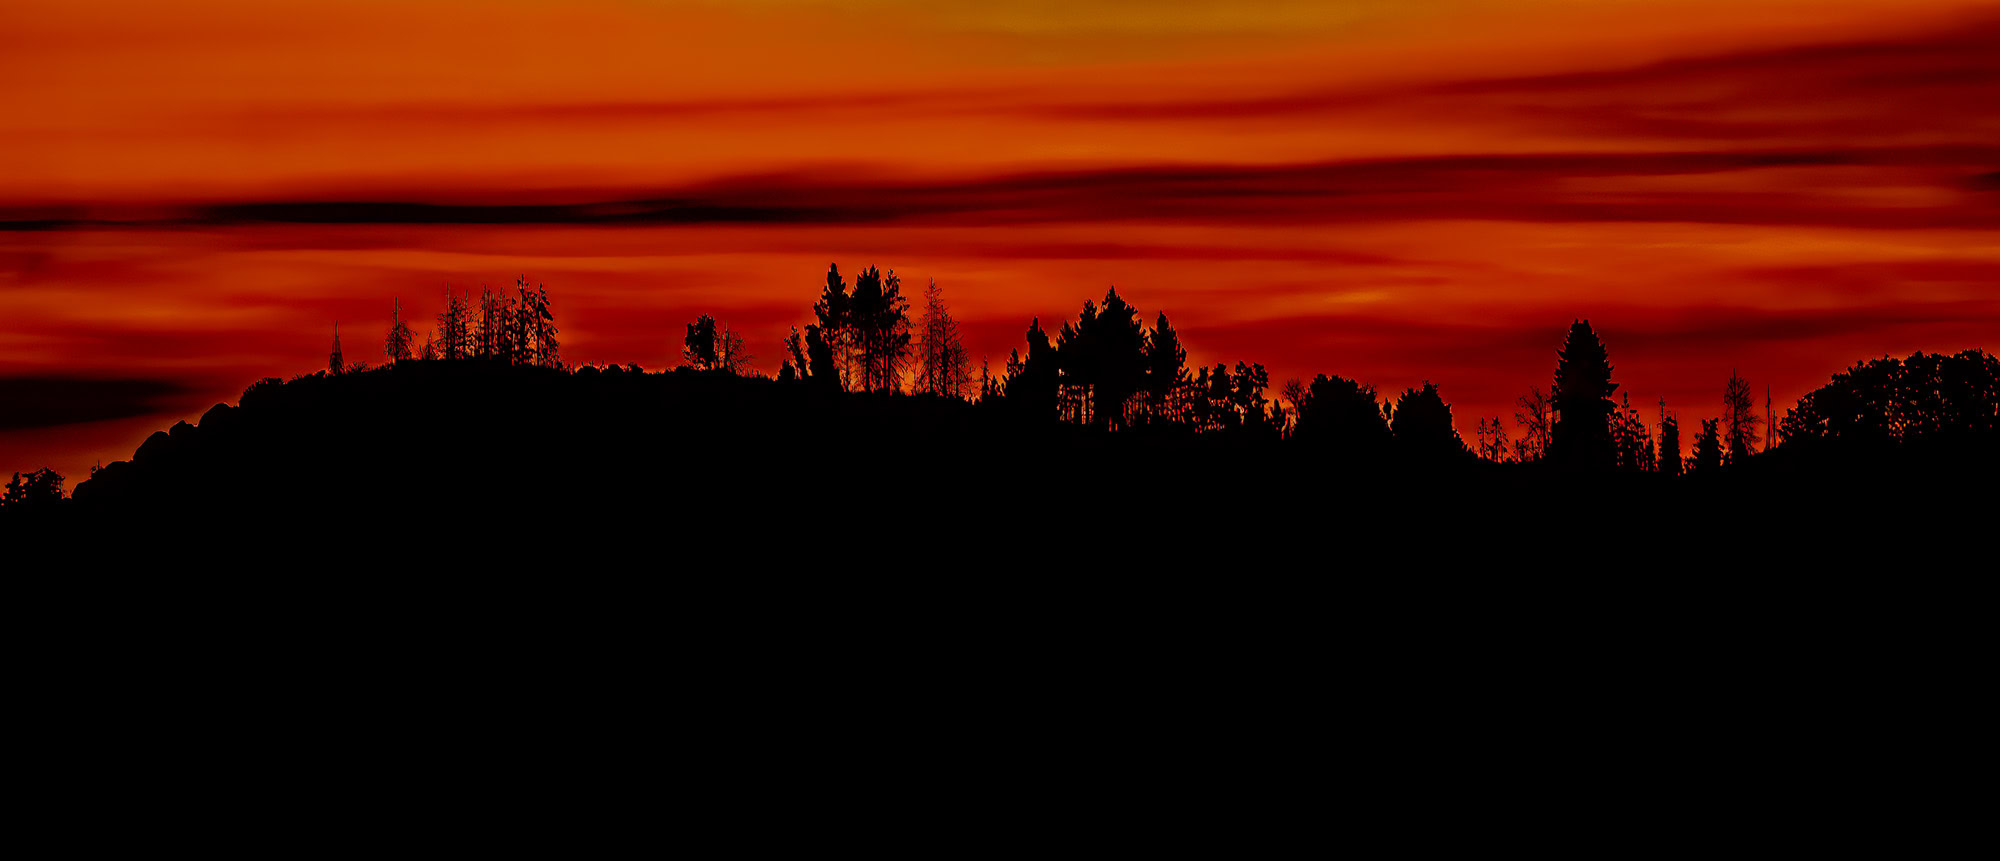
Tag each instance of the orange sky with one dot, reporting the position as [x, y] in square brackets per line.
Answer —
[1395, 191]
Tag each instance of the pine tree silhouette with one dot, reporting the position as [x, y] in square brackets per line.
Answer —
[1166, 367]
[1581, 437]
[1670, 444]
[1707, 458]
[397, 345]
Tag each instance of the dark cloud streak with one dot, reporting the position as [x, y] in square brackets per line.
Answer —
[1484, 187]
[50, 401]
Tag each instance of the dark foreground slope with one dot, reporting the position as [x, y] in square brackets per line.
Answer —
[468, 460]
[859, 616]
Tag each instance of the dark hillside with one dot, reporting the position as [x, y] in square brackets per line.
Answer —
[486, 459]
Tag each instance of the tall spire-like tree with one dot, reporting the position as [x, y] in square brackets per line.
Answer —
[1581, 437]
[730, 354]
[941, 366]
[397, 345]
[334, 362]
[1739, 418]
[834, 311]
[548, 353]
[1166, 366]
[455, 323]
[1670, 442]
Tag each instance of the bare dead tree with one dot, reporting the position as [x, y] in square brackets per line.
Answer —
[731, 356]
[1534, 416]
[942, 360]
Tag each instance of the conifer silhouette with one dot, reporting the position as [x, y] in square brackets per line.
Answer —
[1670, 443]
[1581, 402]
[1707, 459]
[397, 345]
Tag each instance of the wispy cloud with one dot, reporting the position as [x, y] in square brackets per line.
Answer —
[1505, 187]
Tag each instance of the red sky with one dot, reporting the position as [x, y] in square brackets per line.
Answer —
[1393, 190]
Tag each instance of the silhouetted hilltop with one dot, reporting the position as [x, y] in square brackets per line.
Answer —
[1098, 426]
[423, 446]
[426, 436]
[478, 439]
[777, 528]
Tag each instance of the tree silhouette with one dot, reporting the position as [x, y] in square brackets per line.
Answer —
[1249, 402]
[38, 489]
[1341, 415]
[824, 368]
[1217, 404]
[1631, 440]
[1422, 425]
[730, 356]
[833, 311]
[1581, 436]
[1492, 440]
[795, 345]
[1032, 382]
[534, 332]
[700, 351]
[1536, 420]
[1103, 360]
[1707, 458]
[397, 345]
[942, 366]
[455, 321]
[335, 363]
[1166, 367]
[1670, 444]
[493, 340]
[1297, 393]
[1739, 417]
[879, 321]
[1929, 397]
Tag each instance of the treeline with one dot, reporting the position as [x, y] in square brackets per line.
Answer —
[1106, 371]
[514, 330]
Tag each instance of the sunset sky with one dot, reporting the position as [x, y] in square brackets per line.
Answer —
[1391, 190]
